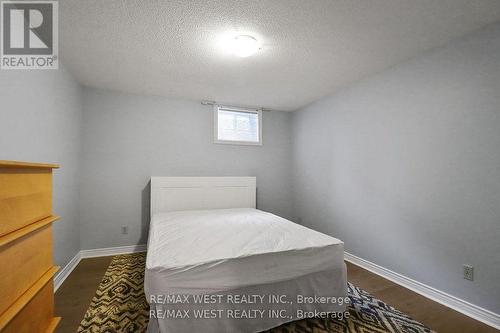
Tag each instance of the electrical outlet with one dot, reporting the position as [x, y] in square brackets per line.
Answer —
[468, 272]
[124, 230]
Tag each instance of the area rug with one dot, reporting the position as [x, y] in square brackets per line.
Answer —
[120, 306]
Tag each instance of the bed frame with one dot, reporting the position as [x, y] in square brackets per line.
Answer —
[195, 193]
[192, 193]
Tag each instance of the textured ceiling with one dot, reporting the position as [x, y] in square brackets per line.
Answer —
[310, 47]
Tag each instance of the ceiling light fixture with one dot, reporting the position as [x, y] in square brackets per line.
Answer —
[244, 45]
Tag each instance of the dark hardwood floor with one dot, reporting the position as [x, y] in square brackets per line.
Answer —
[436, 316]
[74, 296]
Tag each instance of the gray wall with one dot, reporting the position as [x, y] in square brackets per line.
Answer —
[40, 121]
[129, 138]
[405, 167]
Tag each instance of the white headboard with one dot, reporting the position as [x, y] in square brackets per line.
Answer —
[190, 193]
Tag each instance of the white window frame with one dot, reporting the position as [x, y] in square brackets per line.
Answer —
[236, 109]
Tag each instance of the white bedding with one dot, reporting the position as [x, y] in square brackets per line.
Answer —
[233, 253]
[216, 250]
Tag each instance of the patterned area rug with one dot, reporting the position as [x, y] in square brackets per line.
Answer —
[120, 306]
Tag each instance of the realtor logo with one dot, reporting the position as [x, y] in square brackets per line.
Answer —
[29, 36]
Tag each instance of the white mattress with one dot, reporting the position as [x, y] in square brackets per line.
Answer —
[324, 283]
[218, 250]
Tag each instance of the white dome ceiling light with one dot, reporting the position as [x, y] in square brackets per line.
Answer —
[244, 45]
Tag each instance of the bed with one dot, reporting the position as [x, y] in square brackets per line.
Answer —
[215, 263]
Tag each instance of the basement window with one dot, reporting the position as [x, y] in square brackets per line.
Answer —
[239, 126]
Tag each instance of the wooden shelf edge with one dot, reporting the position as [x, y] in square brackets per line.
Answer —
[53, 325]
[13, 235]
[19, 164]
[25, 298]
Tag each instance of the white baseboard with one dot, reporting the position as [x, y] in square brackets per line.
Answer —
[112, 251]
[93, 253]
[468, 309]
[66, 271]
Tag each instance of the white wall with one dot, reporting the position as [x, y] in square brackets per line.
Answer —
[40, 121]
[129, 138]
[405, 167]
